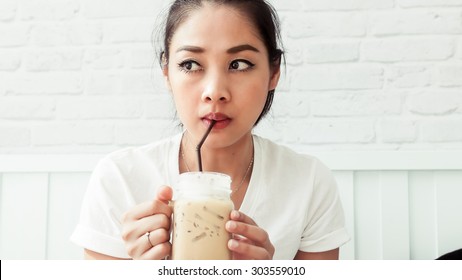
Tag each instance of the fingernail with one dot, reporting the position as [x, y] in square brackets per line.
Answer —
[233, 244]
[235, 214]
[231, 225]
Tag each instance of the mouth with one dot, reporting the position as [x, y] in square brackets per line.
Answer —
[222, 120]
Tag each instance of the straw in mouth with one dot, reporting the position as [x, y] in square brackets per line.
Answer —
[198, 147]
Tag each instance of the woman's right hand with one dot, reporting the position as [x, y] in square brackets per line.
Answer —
[151, 217]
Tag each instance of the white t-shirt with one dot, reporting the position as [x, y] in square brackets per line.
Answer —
[293, 197]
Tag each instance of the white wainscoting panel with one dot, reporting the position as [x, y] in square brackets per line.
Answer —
[65, 197]
[24, 215]
[449, 211]
[398, 205]
[345, 182]
[422, 216]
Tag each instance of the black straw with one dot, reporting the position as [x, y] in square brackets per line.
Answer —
[198, 148]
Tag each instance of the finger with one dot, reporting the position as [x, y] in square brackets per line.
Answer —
[241, 217]
[241, 238]
[151, 223]
[158, 252]
[133, 230]
[146, 241]
[165, 194]
[244, 250]
[158, 236]
[249, 231]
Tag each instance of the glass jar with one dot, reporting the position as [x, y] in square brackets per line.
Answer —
[201, 208]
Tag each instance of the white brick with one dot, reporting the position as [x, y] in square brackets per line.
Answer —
[291, 104]
[2, 84]
[8, 9]
[27, 108]
[14, 136]
[286, 5]
[450, 75]
[441, 130]
[122, 83]
[143, 133]
[49, 9]
[429, 3]
[402, 76]
[323, 52]
[50, 35]
[325, 25]
[160, 107]
[105, 58]
[398, 130]
[99, 108]
[330, 131]
[347, 4]
[71, 133]
[330, 77]
[459, 49]
[143, 58]
[46, 60]
[416, 22]
[298, 105]
[286, 78]
[85, 33]
[142, 82]
[293, 51]
[129, 31]
[356, 104]
[434, 102]
[13, 35]
[45, 83]
[9, 60]
[272, 128]
[103, 83]
[59, 34]
[395, 50]
[121, 8]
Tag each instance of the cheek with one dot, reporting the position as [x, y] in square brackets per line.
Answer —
[184, 88]
[254, 94]
[183, 103]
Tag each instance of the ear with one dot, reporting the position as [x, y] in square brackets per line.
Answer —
[164, 65]
[274, 79]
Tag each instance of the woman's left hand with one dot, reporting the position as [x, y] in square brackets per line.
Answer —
[249, 241]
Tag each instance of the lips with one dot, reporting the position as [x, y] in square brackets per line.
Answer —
[221, 119]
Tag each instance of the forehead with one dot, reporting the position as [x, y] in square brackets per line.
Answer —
[217, 25]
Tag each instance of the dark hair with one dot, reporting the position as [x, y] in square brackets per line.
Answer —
[259, 12]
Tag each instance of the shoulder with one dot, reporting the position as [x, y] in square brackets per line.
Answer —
[135, 160]
[152, 150]
[137, 171]
[285, 158]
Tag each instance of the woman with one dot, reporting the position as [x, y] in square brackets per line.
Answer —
[221, 62]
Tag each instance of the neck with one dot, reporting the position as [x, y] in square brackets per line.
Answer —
[232, 160]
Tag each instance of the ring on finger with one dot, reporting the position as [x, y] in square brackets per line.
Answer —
[148, 234]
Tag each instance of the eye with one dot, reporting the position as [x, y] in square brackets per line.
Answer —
[189, 66]
[241, 65]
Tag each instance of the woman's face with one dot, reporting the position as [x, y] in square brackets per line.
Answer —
[218, 69]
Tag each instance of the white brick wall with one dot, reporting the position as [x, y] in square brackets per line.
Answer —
[80, 76]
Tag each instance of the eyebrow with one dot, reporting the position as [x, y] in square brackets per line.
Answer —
[233, 50]
[241, 48]
[190, 49]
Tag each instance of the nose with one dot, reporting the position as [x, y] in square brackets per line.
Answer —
[216, 89]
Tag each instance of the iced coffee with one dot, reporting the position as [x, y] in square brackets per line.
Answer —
[201, 209]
